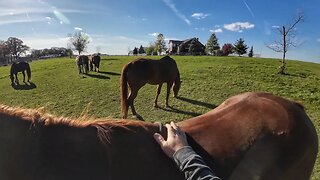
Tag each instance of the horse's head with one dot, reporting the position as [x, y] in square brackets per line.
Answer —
[176, 88]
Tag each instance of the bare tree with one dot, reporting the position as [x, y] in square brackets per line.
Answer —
[79, 41]
[288, 39]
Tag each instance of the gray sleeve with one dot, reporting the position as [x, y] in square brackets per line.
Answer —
[192, 165]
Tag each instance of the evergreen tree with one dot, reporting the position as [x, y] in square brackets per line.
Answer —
[135, 51]
[240, 47]
[251, 52]
[212, 45]
[141, 50]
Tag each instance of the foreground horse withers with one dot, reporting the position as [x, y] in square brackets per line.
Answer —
[94, 62]
[249, 136]
[82, 62]
[141, 71]
[19, 67]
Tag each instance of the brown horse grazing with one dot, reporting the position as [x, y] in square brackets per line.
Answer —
[141, 71]
[94, 62]
[250, 136]
[19, 67]
[82, 62]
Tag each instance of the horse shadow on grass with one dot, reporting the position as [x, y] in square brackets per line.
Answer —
[25, 86]
[98, 76]
[175, 110]
[109, 73]
[195, 102]
[199, 103]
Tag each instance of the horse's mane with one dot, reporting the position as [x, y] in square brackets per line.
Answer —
[41, 119]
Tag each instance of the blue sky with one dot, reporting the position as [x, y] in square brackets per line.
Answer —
[116, 26]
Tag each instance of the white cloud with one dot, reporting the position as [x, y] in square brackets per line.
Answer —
[47, 41]
[238, 26]
[275, 26]
[172, 6]
[153, 34]
[318, 39]
[219, 30]
[144, 19]
[78, 28]
[199, 15]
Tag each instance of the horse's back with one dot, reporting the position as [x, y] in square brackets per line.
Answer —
[257, 136]
[153, 71]
[20, 66]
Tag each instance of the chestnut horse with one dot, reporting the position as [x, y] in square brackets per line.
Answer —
[82, 62]
[249, 136]
[94, 62]
[19, 67]
[141, 71]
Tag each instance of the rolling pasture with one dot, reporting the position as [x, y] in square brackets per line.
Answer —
[206, 82]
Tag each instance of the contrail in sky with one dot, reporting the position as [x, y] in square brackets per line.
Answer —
[172, 6]
[249, 9]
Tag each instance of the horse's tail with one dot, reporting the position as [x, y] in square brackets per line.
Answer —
[124, 91]
[28, 71]
[177, 84]
[177, 80]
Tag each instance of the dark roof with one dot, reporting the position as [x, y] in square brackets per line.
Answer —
[175, 41]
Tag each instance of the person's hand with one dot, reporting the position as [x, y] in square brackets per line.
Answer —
[176, 139]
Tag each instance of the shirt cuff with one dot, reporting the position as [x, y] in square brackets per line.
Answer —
[182, 154]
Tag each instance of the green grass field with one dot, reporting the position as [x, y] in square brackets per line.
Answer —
[207, 82]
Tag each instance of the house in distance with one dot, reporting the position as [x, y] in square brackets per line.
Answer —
[190, 46]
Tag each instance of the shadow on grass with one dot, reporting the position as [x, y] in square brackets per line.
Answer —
[109, 59]
[109, 73]
[25, 86]
[98, 76]
[300, 75]
[175, 110]
[199, 103]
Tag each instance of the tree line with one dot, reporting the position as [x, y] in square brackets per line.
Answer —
[212, 47]
[12, 49]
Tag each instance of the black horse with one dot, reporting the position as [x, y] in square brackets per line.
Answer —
[95, 62]
[19, 67]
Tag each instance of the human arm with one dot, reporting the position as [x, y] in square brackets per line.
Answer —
[187, 160]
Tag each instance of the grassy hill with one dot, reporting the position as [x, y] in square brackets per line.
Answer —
[207, 82]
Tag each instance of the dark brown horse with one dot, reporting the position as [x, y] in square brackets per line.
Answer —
[94, 62]
[141, 71]
[82, 62]
[19, 67]
[249, 136]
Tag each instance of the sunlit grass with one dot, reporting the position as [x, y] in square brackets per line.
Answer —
[207, 81]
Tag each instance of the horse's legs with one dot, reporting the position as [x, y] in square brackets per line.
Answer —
[157, 95]
[91, 66]
[79, 68]
[132, 96]
[16, 78]
[169, 85]
[24, 76]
